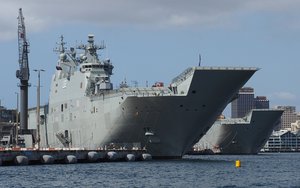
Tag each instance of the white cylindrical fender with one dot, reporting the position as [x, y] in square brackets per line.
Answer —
[47, 159]
[111, 155]
[93, 156]
[21, 160]
[130, 157]
[146, 157]
[70, 159]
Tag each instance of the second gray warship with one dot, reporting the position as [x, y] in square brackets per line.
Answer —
[245, 135]
[85, 111]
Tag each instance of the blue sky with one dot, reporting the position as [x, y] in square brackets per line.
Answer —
[156, 40]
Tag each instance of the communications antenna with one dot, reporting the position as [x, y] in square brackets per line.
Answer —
[199, 60]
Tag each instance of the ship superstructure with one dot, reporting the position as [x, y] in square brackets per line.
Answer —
[85, 111]
[245, 135]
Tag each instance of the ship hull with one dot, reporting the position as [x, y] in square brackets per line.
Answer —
[165, 125]
[179, 122]
[243, 136]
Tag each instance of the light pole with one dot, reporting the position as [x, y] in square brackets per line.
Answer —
[17, 118]
[38, 136]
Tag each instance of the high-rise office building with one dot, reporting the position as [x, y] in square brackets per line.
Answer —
[289, 116]
[261, 102]
[245, 102]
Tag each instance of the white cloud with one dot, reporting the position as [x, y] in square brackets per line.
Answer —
[40, 15]
[284, 95]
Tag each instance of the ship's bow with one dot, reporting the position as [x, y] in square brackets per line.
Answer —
[202, 96]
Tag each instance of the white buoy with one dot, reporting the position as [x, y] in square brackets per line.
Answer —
[111, 155]
[71, 159]
[130, 157]
[47, 159]
[21, 160]
[146, 157]
[93, 156]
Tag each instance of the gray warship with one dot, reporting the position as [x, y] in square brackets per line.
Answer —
[245, 135]
[86, 112]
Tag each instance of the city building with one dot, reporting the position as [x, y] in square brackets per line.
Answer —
[295, 127]
[283, 141]
[261, 102]
[7, 115]
[289, 116]
[7, 121]
[246, 101]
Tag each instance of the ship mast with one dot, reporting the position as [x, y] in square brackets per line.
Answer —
[23, 72]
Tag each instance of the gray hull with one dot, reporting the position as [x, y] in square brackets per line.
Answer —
[241, 135]
[175, 121]
[86, 112]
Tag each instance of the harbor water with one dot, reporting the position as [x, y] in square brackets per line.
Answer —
[262, 170]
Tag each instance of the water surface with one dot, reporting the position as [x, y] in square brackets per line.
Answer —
[263, 170]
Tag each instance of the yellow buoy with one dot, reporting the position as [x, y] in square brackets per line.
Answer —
[237, 163]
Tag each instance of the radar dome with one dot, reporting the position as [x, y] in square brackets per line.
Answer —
[83, 57]
[62, 56]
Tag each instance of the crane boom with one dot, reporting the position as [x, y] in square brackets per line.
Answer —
[23, 72]
[23, 49]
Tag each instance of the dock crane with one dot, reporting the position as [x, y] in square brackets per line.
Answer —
[23, 73]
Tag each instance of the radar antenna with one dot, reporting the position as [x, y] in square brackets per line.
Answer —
[61, 45]
[199, 60]
[23, 72]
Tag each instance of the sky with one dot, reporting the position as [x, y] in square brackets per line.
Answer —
[149, 41]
